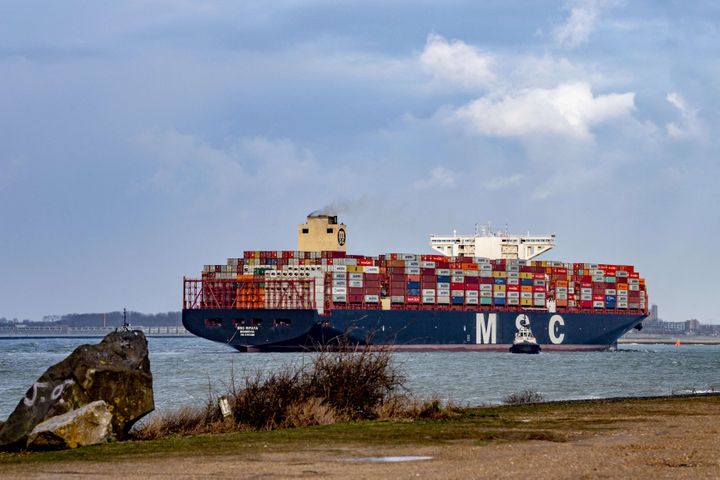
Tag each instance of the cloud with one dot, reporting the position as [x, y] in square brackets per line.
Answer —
[246, 164]
[580, 23]
[499, 183]
[457, 62]
[689, 126]
[440, 177]
[568, 110]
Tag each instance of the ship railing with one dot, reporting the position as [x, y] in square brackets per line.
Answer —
[247, 294]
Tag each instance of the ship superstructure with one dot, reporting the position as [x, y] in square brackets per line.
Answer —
[493, 245]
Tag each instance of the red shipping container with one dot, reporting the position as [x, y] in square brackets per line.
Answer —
[634, 275]
[355, 298]
[427, 271]
[538, 288]
[412, 299]
[585, 303]
[538, 276]
[413, 278]
[457, 286]
[472, 280]
[513, 288]
[355, 290]
[371, 277]
[366, 262]
[598, 298]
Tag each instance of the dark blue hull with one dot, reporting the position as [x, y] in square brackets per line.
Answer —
[292, 330]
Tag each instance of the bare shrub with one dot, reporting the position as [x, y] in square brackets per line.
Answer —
[347, 383]
[523, 398]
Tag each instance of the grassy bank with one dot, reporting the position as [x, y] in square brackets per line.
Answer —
[555, 422]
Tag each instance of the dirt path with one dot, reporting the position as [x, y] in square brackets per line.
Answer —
[680, 443]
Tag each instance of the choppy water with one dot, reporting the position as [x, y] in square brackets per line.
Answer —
[185, 369]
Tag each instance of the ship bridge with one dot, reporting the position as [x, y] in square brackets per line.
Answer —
[493, 245]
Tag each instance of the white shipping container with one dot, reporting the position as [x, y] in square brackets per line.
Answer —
[443, 271]
[597, 304]
[412, 270]
[372, 298]
[457, 293]
[397, 299]
[412, 263]
[339, 268]
[486, 286]
[457, 279]
[526, 295]
[339, 290]
[443, 300]
[499, 294]
[610, 291]
[427, 292]
[472, 293]
[457, 271]
[513, 281]
[430, 299]
[472, 301]
[355, 283]
[538, 303]
[513, 294]
[486, 273]
[339, 298]
[355, 276]
[443, 285]
[486, 293]
[444, 292]
[427, 264]
[372, 269]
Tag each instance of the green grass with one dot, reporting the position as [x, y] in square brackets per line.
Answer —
[555, 422]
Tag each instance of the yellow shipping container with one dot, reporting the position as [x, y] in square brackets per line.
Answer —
[526, 288]
[499, 274]
[526, 275]
[526, 302]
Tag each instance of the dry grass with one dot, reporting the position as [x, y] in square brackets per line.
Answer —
[335, 386]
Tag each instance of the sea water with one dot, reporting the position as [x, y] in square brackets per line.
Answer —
[187, 370]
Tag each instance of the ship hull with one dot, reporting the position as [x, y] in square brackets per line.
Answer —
[406, 330]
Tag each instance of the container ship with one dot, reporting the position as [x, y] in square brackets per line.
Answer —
[474, 293]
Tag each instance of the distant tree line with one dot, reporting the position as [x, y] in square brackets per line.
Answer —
[110, 319]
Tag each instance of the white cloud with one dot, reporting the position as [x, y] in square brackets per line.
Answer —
[457, 62]
[688, 127]
[580, 23]
[499, 183]
[440, 177]
[570, 110]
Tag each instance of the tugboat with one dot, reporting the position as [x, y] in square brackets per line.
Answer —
[524, 339]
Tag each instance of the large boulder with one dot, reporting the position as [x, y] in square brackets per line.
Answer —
[117, 370]
[88, 425]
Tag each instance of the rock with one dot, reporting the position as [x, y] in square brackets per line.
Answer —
[88, 425]
[116, 370]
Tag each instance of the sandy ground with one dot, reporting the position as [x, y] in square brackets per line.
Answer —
[669, 446]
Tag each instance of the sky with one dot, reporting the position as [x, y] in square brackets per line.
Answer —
[140, 140]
